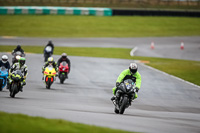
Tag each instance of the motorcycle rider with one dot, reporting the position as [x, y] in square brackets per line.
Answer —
[4, 62]
[64, 58]
[20, 65]
[18, 48]
[51, 45]
[50, 61]
[130, 73]
[16, 58]
[48, 50]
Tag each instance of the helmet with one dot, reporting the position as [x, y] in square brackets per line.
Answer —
[22, 61]
[50, 42]
[133, 68]
[50, 60]
[4, 58]
[64, 55]
[18, 47]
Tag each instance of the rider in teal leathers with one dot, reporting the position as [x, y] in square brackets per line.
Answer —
[130, 73]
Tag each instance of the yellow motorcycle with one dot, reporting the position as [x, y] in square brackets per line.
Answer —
[49, 76]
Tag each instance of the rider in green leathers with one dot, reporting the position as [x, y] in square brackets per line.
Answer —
[130, 73]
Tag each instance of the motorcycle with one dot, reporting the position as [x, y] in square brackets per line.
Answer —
[15, 86]
[124, 95]
[3, 77]
[47, 52]
[49, 76]
[63, 71]
[16, 56]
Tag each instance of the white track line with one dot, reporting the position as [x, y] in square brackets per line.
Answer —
[133, 51]
[170, 75]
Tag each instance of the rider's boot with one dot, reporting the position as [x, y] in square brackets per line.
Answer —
[42, 74]
[134, 96]
[21, 89]
[22, 84]
[113, 98]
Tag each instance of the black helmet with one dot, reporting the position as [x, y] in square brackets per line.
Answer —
[18, 47]
[133, 68]
[64, 55]
[50, 42]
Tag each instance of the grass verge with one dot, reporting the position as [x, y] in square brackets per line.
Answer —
[92, 26]
[18, 123]
[184, 69]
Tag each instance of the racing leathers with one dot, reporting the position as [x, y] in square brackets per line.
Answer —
[6, 65]
[18, 48]
[54, 64]
[24, 70]
[126, 74]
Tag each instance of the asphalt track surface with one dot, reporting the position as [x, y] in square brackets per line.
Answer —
[165, 104]
[166, 47]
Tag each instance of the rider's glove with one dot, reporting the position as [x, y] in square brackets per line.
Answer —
[117, 84]
[137, 89]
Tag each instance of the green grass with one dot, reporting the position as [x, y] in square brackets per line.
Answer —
[18, 123]
[92, 26]
[187, 70]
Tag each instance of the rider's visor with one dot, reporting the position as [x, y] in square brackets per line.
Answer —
[4, 59]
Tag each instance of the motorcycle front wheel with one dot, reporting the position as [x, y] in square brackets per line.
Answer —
[13, 90]
[48, 83]
[123, 105]
[62, 78]
[1, 84]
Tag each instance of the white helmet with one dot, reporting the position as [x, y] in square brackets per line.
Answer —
[4, 58]
[133, 68]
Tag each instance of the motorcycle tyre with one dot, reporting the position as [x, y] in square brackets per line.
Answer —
[13, 90]
[123, 105]
[48, 83]
[1, 84]
[46, 56]
[45, 59]
[62, 78]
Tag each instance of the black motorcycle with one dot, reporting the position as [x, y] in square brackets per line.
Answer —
[15, 85]
[124, 96]
[48, 51]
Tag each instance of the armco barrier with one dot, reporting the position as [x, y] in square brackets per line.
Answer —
[148, 12]
[55, 10]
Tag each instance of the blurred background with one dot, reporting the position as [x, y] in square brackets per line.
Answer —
[158, 4]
